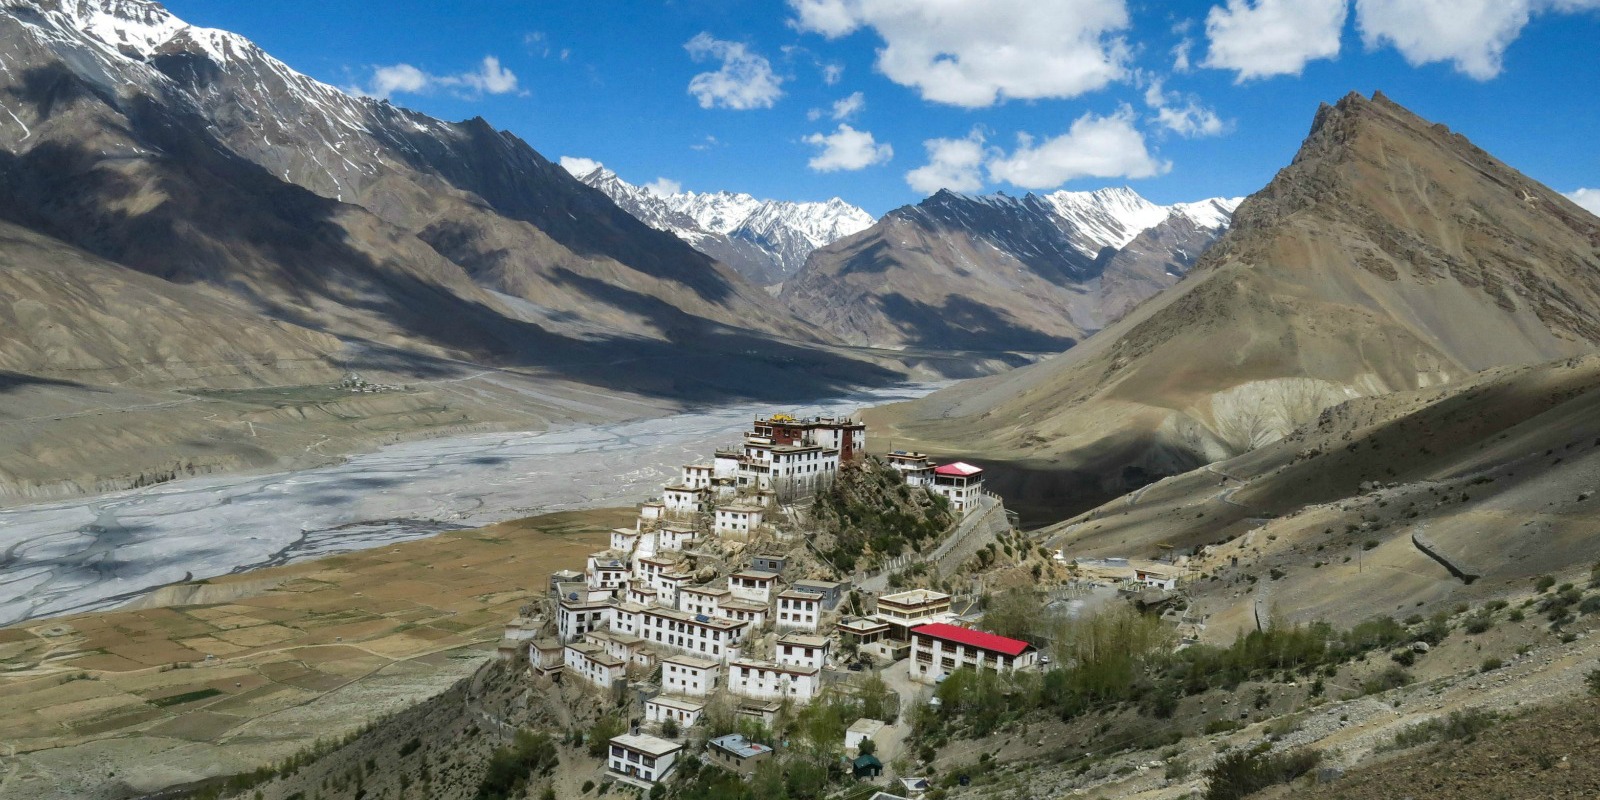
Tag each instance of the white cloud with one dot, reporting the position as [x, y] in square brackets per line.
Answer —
[706, 143]
[579, 166]
[1470, 34]
[398, 78]
[847, 149]
[663, 187]
[1182, 114]
[744, 81]
[831, 73]
[489, 78]
[1262, 38]
[976, 53]
[953, 164]
[1589, 199]
[849, 106]
[1094, 147]
[1180, 55]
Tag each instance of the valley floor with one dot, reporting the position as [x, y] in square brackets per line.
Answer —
[253, 668]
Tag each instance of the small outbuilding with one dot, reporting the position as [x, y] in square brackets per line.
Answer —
[862, 730]
[866, 767]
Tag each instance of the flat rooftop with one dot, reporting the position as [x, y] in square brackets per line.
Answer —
[914, 597]
[687, 660]
[803, 640]
[647, 744]
[680, 703]
[739, 746]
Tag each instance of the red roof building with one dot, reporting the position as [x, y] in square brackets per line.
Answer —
[960, 483]
[938, 649]
[992, 642]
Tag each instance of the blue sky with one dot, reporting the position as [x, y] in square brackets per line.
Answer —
[1180, 100]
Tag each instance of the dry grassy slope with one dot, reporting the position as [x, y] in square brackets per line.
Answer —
[1391, 255]
[1498, 471]
[67, 314]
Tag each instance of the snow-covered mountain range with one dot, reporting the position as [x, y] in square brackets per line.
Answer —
[765, 240]
[1036, 272]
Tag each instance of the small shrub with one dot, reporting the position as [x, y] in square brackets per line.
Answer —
[1516, 615]
[1391, 678]
[1460, 726]
[1479, 622]
[1491, 664]
[1178, 768]
[1544, 583]
[1593, 679]
[1241, 773]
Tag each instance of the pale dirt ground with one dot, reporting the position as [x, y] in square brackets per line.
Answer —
[302, 652]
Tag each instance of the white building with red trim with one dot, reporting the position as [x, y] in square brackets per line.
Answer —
[960, 483]
[938, 649]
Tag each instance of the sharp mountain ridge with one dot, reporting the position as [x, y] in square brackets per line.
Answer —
[765, 240]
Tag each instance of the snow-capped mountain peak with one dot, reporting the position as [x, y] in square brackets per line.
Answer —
[1216, 212]
[1109, 217]
[765, 240]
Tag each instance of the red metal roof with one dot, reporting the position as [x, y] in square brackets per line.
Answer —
[980, 639]
[960, 468]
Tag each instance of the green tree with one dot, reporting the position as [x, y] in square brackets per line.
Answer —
[600, 734]
[1017, 613]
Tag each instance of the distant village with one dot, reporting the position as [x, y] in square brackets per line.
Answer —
[702, 598]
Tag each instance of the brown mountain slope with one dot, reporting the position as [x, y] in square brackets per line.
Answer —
[996, 273]
[1390, 255]
[1495, 475]
[109, 324]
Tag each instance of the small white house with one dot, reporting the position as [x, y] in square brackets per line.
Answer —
[753, 584]
[1156, 578]
[674, 536]
[682, 710]
[860, 731]
[591, 663]
[916, 469]
[802, 650]
[763, 680]
[689, 676]
[546, 656]
[606, 571]
[960, 483]
[745, 611]
[578, 614]
[706, 600]
[737, 518]
[797, 609]
[642, 757]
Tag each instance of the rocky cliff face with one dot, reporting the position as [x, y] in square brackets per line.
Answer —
[1391, 254]
[1036, 273]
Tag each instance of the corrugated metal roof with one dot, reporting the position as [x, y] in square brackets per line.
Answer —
[980, 639]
